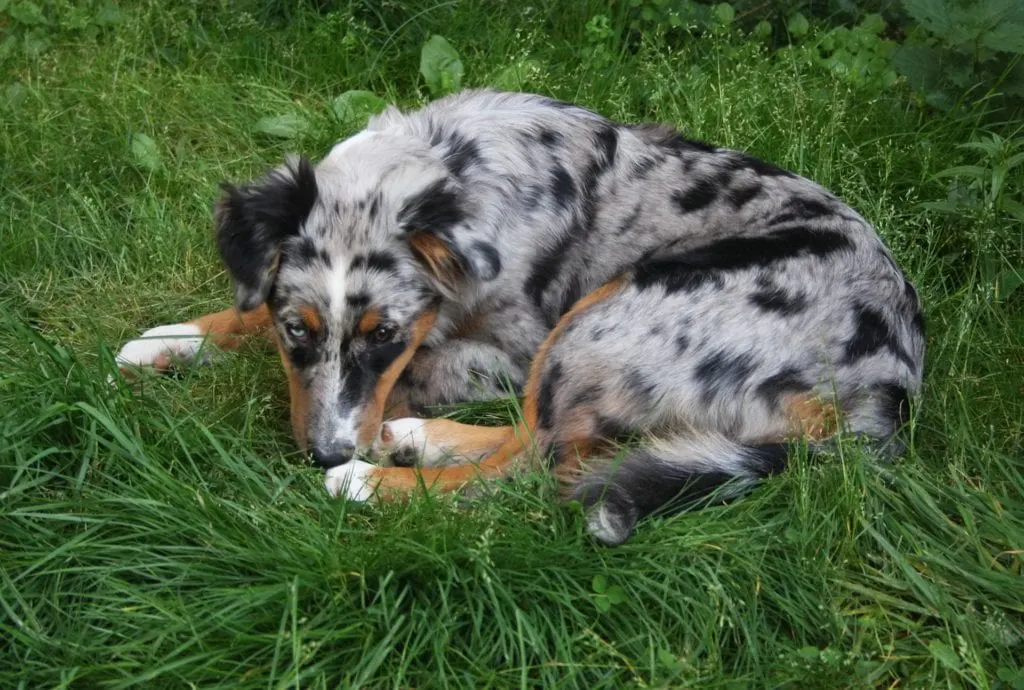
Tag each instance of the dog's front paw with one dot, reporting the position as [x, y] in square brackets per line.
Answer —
[161, 347]
[353, 480]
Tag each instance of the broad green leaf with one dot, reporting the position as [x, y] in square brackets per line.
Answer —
[1008, 281]
[355, 107]
[669, 661]
[286, 126]
[616, 595]
[724, 13]
[944, 654]
[145, 152]
[763, 29]
[921, 65]
[797, 25]
[27, 13]
[599, 584]
[973, 172]
[440, 66]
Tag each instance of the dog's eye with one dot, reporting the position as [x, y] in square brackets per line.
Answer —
[296, 331]
[383, 333]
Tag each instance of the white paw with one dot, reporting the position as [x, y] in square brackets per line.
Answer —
[159, 346]
[406, 441]
[351, 480]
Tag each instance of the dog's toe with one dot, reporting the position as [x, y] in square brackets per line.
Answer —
[353, 480]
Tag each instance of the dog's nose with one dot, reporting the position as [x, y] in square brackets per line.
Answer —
[333, 454]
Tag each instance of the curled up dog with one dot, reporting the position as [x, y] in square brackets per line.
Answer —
[627, 280]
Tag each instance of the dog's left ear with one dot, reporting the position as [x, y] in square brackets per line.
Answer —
[253, 221]
[433, 219]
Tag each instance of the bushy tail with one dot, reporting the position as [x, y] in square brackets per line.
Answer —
[670, 474]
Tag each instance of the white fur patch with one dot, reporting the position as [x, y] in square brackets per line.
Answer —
[410, 434]
[180, 341]
[351, 480]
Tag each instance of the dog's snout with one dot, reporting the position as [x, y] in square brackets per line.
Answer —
[333, 454]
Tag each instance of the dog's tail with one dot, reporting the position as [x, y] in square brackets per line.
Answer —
[669, 474]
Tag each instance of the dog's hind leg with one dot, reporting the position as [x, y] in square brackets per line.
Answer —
[164, 346]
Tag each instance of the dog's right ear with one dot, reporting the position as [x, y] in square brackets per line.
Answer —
[253, 221]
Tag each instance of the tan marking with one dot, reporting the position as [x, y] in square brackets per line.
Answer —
[369, 321]
[310, 317]
[222, 328]
[437, 258]
[532, 388]
[299, 400]
[810, 417]
[460, 439]
[374, 415]
[396, 482]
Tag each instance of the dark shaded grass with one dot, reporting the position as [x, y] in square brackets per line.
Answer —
[169, 534]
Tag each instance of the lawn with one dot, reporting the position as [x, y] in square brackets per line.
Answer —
[168, 534]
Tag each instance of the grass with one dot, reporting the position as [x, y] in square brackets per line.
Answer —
[169, 536]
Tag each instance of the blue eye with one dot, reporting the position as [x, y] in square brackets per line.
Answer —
[297, 331]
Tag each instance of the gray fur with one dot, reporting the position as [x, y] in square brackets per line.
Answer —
[705, 341]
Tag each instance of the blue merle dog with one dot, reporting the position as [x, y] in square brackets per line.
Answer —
[626, 280]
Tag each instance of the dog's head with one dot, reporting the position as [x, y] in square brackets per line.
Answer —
[352, 258]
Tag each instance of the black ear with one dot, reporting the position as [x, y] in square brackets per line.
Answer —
[254, 220]
[433, 220]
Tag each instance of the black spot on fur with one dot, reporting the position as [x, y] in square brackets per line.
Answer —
[253, 221]
[358, 261]
[915, 302]
[380, 261]
[722, 372]
[374, 208]
[779, 301]
[701, 194]
[785, 382]
[761, 167]
[872, 333]
[301, 252]
[643, 166]
[357, 300]
[545, 269]
[682, 343]
[546, 395]
[586, 396]
[376, 358]
[562, 187]
[896, 403]
[462, 154]
[802, 209]
[674, 276]
[435, 209]
[550, 138]
[741, 196]
[667, 138]
[639, 385]
[737, 253]
[607, 145]
[630, 220]
[489, 254]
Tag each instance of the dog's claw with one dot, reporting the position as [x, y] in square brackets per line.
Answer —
[352, 480]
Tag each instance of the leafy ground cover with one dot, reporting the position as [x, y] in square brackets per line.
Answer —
[169, 536]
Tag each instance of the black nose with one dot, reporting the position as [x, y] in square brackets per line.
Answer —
[333, 454]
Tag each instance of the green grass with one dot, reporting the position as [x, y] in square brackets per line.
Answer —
[169, 536]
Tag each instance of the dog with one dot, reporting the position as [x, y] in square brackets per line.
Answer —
[624, 279]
